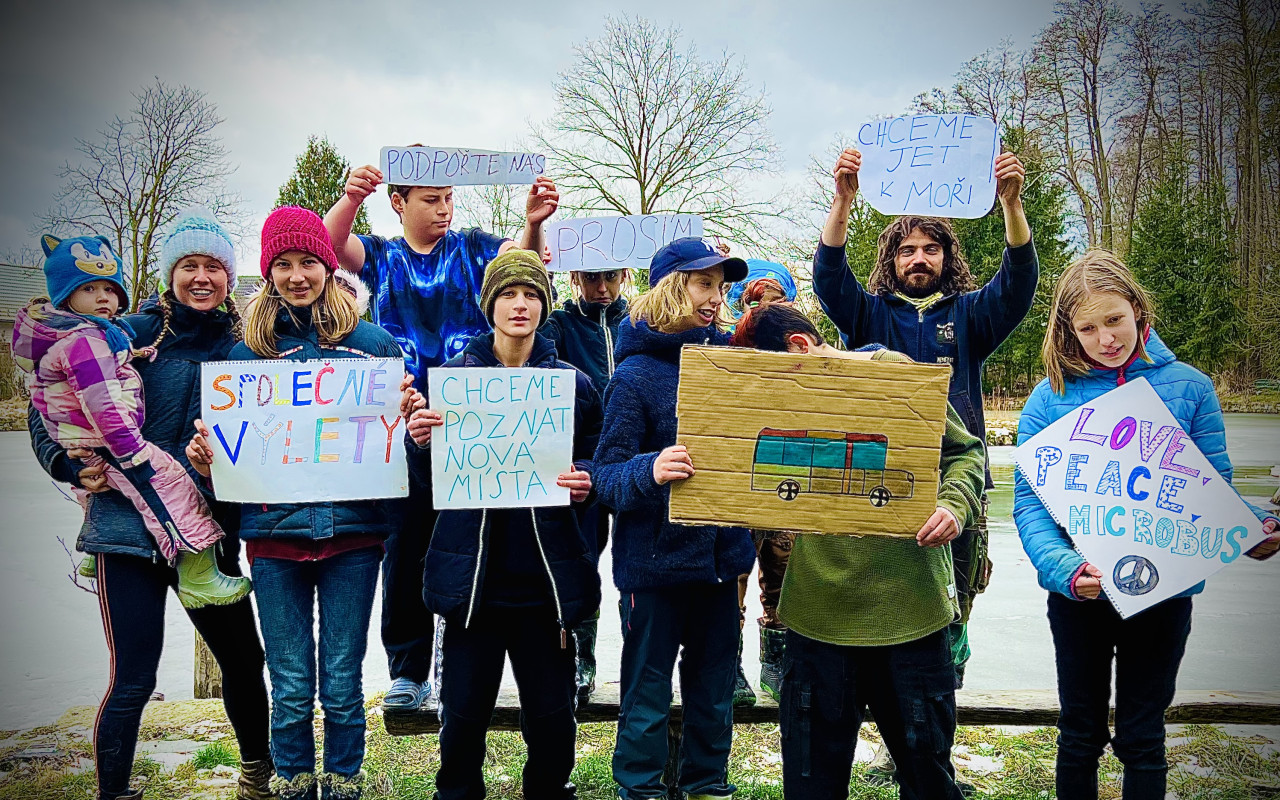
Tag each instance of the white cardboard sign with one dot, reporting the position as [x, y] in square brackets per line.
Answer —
[455, 166]
[305, 431]
[596, 244]
[507, 435]
[937, 165]
[1137, 497]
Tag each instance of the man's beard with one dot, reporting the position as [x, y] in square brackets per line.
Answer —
[919, 290]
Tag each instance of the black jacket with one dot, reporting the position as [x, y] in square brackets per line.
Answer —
[586, 335]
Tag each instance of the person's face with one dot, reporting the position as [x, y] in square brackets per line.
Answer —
[517, 311]
[299, 277]
[1107, 328]
[918, 264]
[200, 282]
[427, 212]
[600, 287]
[95, 299]
[706, 291]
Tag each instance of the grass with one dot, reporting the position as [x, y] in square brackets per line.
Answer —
[1005, 765]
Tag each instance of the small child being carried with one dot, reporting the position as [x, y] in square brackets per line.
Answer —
[76, 354]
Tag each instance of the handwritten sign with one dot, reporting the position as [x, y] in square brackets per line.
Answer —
[939, 165]
[1138, 498]
[452, 166]
[305, 431]
[507, 434]
[595, 244]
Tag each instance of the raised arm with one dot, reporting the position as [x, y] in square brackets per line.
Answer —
[542, 202]
[1005, 301]
[342, 216]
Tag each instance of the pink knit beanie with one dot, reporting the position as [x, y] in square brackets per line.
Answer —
[293, 228]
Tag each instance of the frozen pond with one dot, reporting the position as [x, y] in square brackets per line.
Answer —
[53, 655]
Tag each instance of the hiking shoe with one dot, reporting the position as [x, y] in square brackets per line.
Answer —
[201, 583]
[255, 780]
[404, 693]
[773, 645]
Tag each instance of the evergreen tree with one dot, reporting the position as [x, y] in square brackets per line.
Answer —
[318, 178]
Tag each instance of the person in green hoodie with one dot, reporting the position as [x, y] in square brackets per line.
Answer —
[887, 649]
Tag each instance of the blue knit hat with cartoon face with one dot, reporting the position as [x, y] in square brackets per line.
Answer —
[197, 232]
[71, 263]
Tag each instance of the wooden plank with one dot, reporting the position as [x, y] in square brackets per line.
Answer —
[1037, 707]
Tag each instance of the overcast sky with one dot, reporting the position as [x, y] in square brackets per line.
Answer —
[368, 74]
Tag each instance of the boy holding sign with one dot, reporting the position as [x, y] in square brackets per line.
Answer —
[511, 581]
[1100, 337]
[426, 290]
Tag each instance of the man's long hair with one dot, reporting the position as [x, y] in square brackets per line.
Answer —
[955, 277]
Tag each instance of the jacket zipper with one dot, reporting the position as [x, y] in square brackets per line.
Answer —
[555, 593]
[475, 579]
[608, 343]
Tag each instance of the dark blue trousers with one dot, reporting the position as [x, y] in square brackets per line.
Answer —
[1147, 649]
[408, 629]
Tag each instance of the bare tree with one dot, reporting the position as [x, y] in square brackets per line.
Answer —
[497, 208]
[140, 171]
[643, 125]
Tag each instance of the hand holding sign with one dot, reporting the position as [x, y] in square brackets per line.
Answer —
[199, 453]
[846, 173]
[543, 201]
[1088, 584]
[1010, 175]
[420, 424]
[362, 182]
[672, 464]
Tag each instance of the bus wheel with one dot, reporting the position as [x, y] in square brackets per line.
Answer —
[788, 490]
[880, 496]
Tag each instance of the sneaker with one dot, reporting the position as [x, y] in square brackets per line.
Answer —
[405, 693]
[201, 583]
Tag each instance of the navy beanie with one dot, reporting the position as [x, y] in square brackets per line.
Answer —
[71, 263]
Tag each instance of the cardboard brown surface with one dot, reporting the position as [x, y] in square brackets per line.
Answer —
[752, 420]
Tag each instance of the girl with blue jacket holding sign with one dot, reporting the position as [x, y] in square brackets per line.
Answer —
[301, 553]
[678, 583]
[1099, 337]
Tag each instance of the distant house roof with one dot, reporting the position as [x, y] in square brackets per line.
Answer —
[18, 284]
[246, 285]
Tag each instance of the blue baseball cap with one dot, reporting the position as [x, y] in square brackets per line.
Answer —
[691, 254]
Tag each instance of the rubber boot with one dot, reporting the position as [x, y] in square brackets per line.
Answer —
[743, 695]
[773, 645]
[88, 566]
[584, 637]
[201, 583]
[255, 780]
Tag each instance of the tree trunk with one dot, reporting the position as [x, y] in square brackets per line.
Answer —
[208, 677]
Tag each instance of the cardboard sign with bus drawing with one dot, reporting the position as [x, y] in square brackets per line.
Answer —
[795, 442]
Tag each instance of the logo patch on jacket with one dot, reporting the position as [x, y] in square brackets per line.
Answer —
[947, 333]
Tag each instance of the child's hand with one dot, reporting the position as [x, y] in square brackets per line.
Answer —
[362, 182]
[1088, 583]
[938, 529]
[92, 479]
[420, 424]
[199, 453]
[578, 482]
[1267, 547]
[410, 398]
[672, 464]
[542, 202]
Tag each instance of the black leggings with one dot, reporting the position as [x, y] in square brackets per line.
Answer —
[131, 596]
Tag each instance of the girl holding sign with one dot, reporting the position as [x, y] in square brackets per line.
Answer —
[1099, 337]
[512, 581]
[678, 582]
[302, 553]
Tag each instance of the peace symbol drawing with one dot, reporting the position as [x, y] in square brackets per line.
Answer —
[1135, 575]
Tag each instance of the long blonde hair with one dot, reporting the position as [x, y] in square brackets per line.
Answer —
[1095, 272]
[334, 316]
[667, 303]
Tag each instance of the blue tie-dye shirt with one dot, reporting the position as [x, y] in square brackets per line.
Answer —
[429, 302]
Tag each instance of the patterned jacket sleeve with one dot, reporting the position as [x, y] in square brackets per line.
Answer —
[91, 372]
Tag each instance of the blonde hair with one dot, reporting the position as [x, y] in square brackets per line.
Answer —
[625, 289]
[1095, 272]
[666, 304]
[334, 316]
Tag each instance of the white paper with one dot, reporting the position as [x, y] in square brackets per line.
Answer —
[937, 165]
[305, 431]
[1137, 497]
[458, 166]
[507, 435]
[595, 244]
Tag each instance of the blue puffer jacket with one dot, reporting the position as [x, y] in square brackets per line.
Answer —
[297, 340]
[585, 333]
[456, 558]
[171, 386]
[1190, 397]
[639, 422]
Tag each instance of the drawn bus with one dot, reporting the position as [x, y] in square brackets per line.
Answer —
[827, 462]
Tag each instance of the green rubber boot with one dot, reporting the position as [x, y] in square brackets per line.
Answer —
[773, 644]
[201, 583]
[88, 566]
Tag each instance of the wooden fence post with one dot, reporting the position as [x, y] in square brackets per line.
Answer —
[208, 677]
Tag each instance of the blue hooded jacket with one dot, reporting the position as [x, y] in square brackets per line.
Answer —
[639, 422]
[1190, 397]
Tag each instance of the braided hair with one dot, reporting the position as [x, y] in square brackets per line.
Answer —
[168, 298]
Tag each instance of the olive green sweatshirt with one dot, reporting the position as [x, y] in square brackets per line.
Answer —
[871, 591]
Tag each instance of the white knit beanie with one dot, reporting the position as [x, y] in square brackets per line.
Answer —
[197, 232]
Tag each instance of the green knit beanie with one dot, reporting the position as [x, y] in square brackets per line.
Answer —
[515, 268]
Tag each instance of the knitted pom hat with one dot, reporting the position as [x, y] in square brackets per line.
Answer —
[71, 263]
[197, 232]
[515, 268]
[293, 228]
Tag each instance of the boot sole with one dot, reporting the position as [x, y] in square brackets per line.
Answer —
[191, 601]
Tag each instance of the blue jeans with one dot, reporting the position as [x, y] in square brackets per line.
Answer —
[698, 623]
[827, 690]
[1147, 649]
[287, 592]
